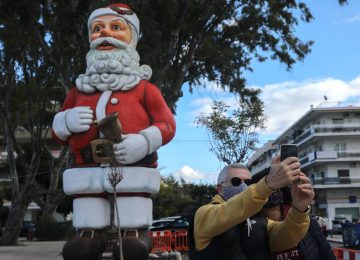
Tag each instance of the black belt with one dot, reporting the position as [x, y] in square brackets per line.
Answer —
[105, 150]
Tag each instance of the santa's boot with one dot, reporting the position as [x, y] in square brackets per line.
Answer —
[133, 249]
[88, 245]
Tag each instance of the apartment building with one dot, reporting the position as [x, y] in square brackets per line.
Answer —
[260, 161]
[22, 137]
[328, 140]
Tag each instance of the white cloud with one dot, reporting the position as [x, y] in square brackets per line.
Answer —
[286, 102]
[204, 104]
[188, 174]
[191, 175]
[353, 19]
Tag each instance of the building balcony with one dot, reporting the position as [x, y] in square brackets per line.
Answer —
[303, 136]
[259, 168]
[327, 130]
[335, 182]
[337, 130]
[329, 156]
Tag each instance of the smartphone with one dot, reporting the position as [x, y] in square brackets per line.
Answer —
[288, 150]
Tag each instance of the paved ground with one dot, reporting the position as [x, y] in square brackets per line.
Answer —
[40, 251]
[335, 240]
[32, 251]
[51, 250]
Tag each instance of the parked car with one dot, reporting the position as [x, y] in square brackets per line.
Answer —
[170, 223]
[337, 222]
[28, 227]
[160, 222]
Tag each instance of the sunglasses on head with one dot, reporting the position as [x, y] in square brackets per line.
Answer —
[236, 181]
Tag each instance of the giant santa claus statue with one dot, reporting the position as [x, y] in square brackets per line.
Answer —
[114, 84]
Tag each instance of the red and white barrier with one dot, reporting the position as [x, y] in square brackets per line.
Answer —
[346, 254]
[166, 241]
[161, 241]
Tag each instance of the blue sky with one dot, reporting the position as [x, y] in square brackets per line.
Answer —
[331, 69]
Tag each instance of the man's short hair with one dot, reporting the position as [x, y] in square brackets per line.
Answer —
[224, 171]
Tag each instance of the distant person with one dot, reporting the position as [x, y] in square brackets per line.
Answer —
[224, 230]
[314, 246]
[322, 223]
[328, 226]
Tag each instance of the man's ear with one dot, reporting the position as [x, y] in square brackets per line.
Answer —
[219, 188]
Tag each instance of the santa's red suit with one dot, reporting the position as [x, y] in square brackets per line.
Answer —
[138, 108]
[141, 109]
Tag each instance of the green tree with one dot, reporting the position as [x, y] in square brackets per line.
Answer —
[180, 198]
[216, 40]
[26, 86]
[233, 132]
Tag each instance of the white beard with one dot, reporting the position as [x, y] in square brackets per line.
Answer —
[116, 69]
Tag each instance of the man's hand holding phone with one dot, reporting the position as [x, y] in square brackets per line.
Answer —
[285, 169]
[283, 173]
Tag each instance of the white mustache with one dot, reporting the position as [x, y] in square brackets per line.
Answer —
[117, 43]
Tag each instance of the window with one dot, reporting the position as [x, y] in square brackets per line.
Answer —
[343, 173]
[353, 164]
[322, 175]
[352, 199]
[343, 147]
[338, 121]
[344, 176]
[320, 147]
[340, 147]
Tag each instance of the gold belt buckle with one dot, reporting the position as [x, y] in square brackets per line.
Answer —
[96, 152]
[131, 233]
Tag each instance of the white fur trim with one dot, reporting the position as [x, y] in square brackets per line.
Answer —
[137, 179]
[101, 106]
[83, 180]
[135, 212]
[91, 213]
[153, 137]
[59, 126]
[94, 180]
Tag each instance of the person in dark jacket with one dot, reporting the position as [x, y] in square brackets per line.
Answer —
[314, 245]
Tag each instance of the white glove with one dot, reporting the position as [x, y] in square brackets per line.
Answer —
[78, 119]
[133, 148]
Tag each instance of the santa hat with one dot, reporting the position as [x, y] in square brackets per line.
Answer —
[123, 11]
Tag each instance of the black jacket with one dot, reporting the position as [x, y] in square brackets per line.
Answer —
[236, 243]
[314, 246]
